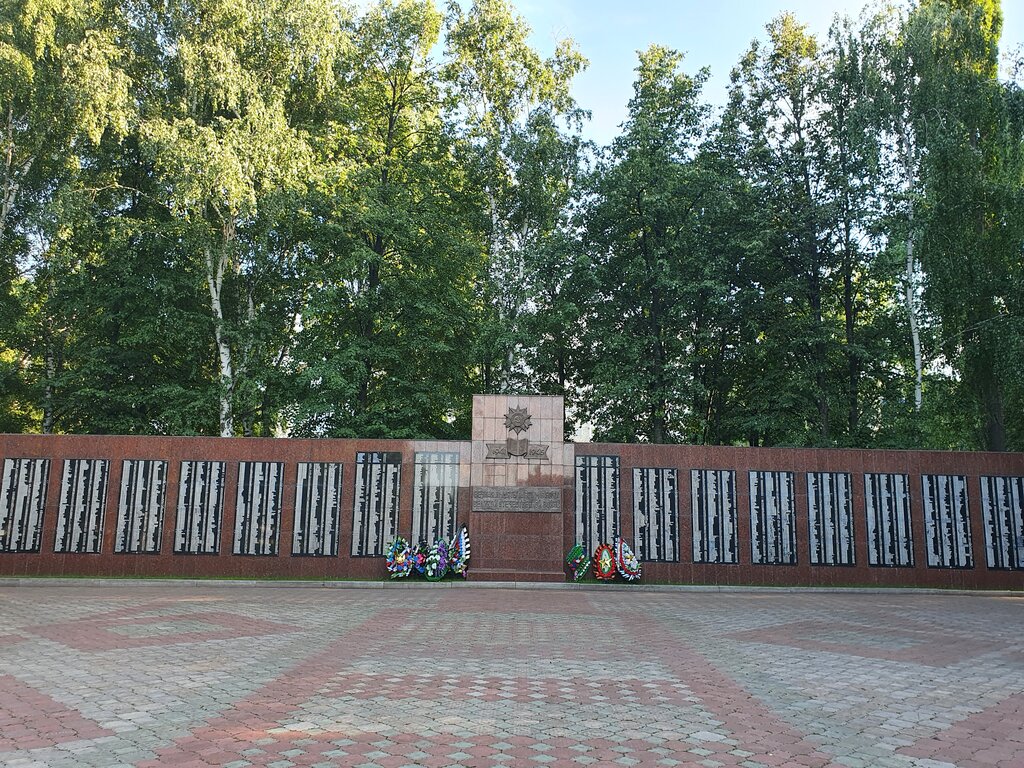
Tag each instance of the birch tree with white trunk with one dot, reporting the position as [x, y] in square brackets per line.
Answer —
[229, 142]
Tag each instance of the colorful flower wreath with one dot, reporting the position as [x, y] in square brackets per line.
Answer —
[399, 559]
[458, 553]
[626, 561]
[419, 557]
[604, 563]
[437, 561]
[578, 562]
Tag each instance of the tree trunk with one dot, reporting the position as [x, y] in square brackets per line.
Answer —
[215, 265]
[814, 285]
[658, 425]
[985, 349]
[368, 325]
[980, 352]
[12, 176]
[716, 395]
[51, 372]
[915, 334]
[819, 357]
[849, 311]
[995, 422]
[911, 281]
[266, 422]
[505, 314]
[849, 303]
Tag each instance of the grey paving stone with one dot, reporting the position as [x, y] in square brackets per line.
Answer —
[541, 677]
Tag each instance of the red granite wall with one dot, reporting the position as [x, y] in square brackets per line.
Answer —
[174, 450]
[800, 461]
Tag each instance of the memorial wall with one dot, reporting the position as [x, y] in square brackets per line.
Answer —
[328, 509]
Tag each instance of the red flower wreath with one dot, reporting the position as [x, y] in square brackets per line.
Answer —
[604, 563]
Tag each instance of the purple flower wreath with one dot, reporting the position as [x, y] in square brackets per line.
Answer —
[437, 561]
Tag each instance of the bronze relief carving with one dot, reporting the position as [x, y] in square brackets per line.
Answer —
[517, 420]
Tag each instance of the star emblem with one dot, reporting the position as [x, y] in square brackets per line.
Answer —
[517, 420]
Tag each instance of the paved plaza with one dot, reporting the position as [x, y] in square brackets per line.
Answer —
[172, 675]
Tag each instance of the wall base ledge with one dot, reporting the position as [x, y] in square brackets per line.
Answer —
[477, 582]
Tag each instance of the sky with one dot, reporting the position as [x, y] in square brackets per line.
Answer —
[712, 33]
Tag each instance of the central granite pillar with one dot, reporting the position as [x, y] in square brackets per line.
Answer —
[521, 477]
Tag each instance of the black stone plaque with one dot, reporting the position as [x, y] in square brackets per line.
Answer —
[547, 500]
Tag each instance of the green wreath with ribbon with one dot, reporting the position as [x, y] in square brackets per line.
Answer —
[578, 562]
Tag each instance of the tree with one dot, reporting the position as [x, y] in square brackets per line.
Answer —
[971, 180]
[227, 146]
[497, 81]
[136, 330]
[893, 88]
[542, 224]
[656, 290]
[388, 330]
[778, 102]
[62, 89]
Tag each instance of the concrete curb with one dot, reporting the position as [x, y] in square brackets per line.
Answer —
[588, 587]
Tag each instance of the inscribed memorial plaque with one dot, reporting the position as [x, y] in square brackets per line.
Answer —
[517, 500]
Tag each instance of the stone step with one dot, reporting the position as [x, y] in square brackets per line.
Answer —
[513, 574]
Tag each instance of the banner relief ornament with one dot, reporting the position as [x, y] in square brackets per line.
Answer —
[517, 420]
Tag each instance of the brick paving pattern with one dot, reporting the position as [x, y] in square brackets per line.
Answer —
[240, 676]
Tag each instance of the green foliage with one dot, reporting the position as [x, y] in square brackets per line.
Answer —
[970, 204]
[503, 91]
[386, 340]
[299, 217]
[658, 288]
[135, 321]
